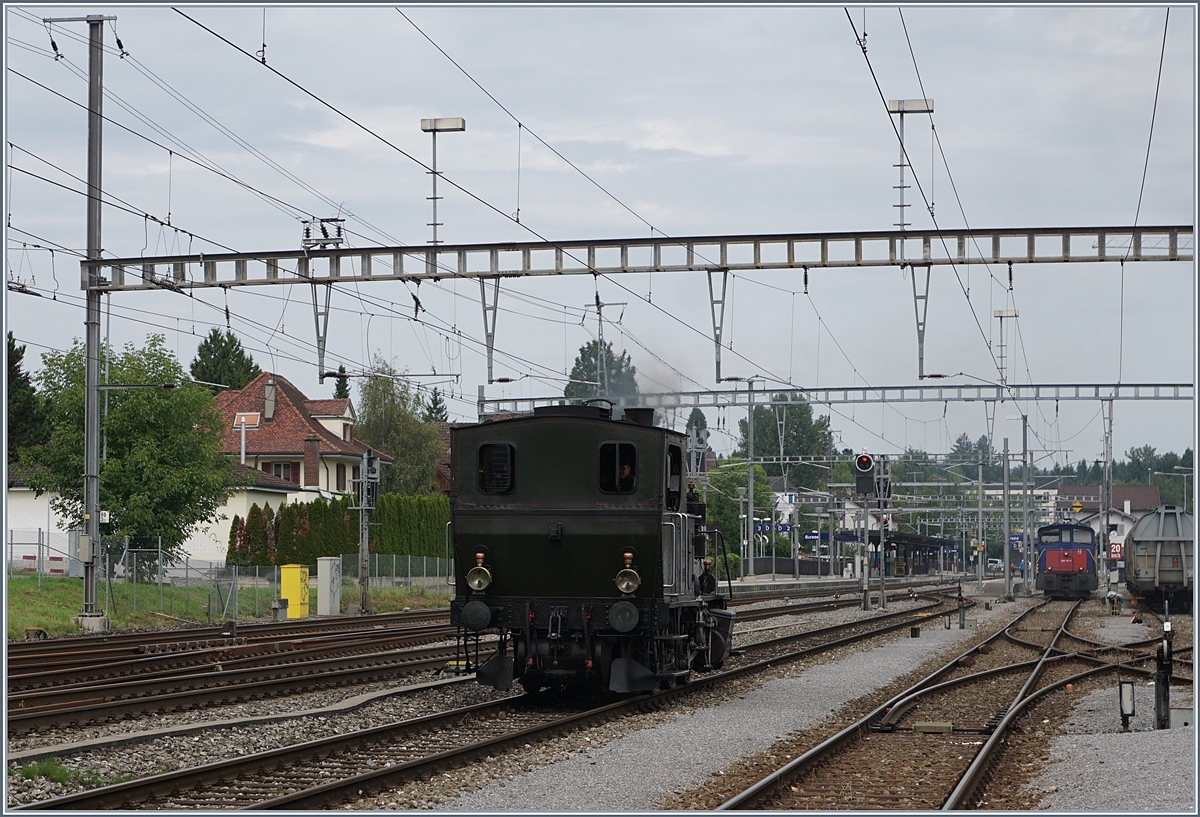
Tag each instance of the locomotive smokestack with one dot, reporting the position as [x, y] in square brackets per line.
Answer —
[641, 416]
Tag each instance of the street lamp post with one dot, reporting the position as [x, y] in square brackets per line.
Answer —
[433, 127]
[1186, 473]
[1190, 472]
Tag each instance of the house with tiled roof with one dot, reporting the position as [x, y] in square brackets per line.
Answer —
[1129, 504]
[272, 427]
[287, 448]
[29, 517]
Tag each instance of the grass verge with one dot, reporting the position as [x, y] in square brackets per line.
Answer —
[52, 606]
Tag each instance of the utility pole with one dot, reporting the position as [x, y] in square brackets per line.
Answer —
[601, 357]
[1027, 579]
[368, 484]
[1105, 495]
[883, 532]
[750, 468]
[433, 127]
[90, 617]
[981, 554]
[1007, 529]
[864, 546]
[883, 479]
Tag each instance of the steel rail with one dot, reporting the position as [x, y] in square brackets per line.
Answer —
[979, 767]
[886, 716]
[260, 653]
[220, 687]
[763, 788]
[23, 650]
[117, 795]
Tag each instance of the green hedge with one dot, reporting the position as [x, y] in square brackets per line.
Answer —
[410, 525]
[300, 533]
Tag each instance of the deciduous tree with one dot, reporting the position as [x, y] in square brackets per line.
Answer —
[389, 412]
[802, 436]
[164, 472]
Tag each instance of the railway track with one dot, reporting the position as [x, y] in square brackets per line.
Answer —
[219, 685]
[181, 675]
[932, 746]
[30, 658]
[299, 776]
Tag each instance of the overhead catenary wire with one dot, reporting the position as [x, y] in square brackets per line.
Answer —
[171, 153]
[470, 194]
[120, 204]
[453, 271]
[358, 367]
[1141, 191]
[921, 190]
[958, 200]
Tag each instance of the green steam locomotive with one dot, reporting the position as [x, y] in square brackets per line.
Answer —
[580, 561]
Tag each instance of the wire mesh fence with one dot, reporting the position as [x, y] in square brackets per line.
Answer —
[388, 573]
[136, 574]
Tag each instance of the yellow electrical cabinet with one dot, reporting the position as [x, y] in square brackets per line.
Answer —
[293, 586]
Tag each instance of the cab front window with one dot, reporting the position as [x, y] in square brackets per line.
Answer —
[497, 468]
[618, 468]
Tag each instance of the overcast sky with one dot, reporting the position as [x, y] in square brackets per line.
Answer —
[694, 121]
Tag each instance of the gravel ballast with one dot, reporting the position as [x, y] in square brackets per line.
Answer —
[651, 761]
[681, 751]
[1097, 766]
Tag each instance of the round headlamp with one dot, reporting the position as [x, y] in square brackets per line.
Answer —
[628, 580]
[479, 577]
[623, 616]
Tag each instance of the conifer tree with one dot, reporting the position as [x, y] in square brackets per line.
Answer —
[221, 359]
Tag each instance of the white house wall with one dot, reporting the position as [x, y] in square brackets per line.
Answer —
[25, 512]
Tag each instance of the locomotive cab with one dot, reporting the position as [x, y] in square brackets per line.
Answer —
[579, 559]
[1066, 560]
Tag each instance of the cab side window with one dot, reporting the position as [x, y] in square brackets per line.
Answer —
[497, 468]
[674, 476]
[618, 468]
